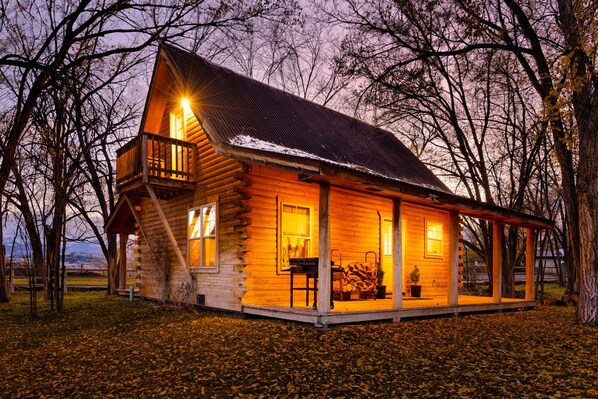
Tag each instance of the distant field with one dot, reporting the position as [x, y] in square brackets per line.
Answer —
[86, 281]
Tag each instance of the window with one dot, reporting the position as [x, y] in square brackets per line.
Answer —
[202, 236]
[177, 125]
[433, 239]
[387, 237]
[177, 154]
[295, 233]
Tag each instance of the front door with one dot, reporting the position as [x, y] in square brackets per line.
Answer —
[177, 131]
[387, 252]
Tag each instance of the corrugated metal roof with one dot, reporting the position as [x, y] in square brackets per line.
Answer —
[244, 113]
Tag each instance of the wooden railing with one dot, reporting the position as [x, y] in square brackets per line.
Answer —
[150, 155]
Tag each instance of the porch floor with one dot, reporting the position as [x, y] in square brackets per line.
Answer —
[382, 309]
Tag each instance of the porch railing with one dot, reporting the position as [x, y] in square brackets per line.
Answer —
[150, 155]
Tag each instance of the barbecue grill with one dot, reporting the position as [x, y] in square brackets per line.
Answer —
[309, 267]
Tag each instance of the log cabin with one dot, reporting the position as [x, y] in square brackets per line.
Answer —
[246, 198]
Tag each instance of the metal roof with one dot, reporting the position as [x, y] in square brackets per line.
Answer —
[251, 116]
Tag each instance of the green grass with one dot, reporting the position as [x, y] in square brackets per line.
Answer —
[552, 291]
[107, 347]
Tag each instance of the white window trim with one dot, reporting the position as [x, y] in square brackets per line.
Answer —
[279, 232]
[204, 269]
[427, 254]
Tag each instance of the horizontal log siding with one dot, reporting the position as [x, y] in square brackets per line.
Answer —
[355, 225]
[218, 181]
[433, 270]
[355, 229]
[264, 285]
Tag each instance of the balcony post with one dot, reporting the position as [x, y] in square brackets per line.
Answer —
[144, 158]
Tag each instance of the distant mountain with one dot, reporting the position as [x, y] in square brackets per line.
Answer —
[75, 251]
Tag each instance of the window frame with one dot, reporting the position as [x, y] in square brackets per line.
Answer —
[279, 235]
[427, 253]
[201, 238]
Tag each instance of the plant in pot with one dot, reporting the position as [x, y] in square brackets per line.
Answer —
[416, 289]
[380, 287]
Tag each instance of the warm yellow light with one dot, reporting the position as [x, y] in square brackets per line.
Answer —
[186, 103]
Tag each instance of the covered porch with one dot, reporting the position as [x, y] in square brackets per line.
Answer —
[445, 299]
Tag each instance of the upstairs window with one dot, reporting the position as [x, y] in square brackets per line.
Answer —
[433, 239]
[295, 233]
[202, 236]
[177, 125]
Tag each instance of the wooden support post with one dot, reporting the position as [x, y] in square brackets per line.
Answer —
[324, 240]
[497, 239]
[453, 271]
[397, 254]
[122, 269]
[530, 264]
[144, 159]
[169, 231]
[134, 210]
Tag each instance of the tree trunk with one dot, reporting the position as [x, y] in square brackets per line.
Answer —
[4, 293]
[587, 272]
[509, 260]
[112, 263]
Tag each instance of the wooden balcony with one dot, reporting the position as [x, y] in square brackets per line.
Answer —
[169, 165]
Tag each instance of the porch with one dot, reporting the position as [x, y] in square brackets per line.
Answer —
[383, 309]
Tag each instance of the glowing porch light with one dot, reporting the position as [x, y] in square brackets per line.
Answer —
[186, 103]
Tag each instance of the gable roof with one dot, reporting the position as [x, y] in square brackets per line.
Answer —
[244, 114]
[251, 121]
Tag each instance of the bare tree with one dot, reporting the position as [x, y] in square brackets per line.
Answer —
[558, 57]
[43, 44]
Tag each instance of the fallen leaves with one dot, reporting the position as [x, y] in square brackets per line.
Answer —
[107, 347]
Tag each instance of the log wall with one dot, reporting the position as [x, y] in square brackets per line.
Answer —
[433, 270]
[355, 229]
[218, 181]
[268, 188]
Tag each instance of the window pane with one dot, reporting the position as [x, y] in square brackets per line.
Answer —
[434, 247]
[387, 234]
[209, 255]
[295, 221]
[295, 233]
[194, 224]
[434, 238]
[209, 221]
[194, 252]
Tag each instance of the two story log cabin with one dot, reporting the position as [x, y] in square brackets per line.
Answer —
[246, 198]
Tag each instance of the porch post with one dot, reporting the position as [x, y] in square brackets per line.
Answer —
[324, 245]
[122, 265]
[453, 267]
[530, 264]
[397, 252]
[497, 238]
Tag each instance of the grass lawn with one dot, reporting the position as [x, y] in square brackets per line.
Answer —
[552, 291]
[108, 347]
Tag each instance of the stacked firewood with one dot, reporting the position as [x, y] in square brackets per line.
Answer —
[359, 277]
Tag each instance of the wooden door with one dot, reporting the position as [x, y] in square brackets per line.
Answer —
[387, 251]
[177, 131]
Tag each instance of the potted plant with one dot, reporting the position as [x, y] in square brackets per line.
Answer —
[380, 287]
[416, 289]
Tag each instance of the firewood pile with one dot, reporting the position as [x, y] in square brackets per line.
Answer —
[358, 277]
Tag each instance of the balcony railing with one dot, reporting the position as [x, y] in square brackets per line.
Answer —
[153, 158]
